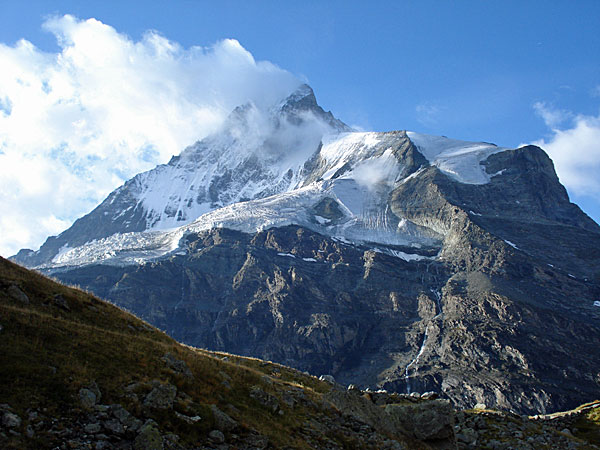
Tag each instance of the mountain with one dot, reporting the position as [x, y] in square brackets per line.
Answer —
[390, 260]
[78, 372]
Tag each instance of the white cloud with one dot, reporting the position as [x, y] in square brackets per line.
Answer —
[575, 152]
[75, 124]
[428, 114]
[552, 117]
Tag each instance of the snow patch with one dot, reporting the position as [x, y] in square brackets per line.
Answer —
[511, 244]
[322, 220]
[461, 160]
[289, 255]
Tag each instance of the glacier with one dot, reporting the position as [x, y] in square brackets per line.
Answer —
[291, 164]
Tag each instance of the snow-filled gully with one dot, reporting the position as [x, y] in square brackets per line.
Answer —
[414, 363]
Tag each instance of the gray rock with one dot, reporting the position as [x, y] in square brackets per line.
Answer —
[222, 421]
[468, 436]
[29, 432]
[264, 398]
[87, 398]
[188, 419]
[92, 428]
[177, 365]
[432, 420]
[103, 445]
[16, 293]
[126, 419]
[149, 437]
[161, 397]
[61, 302]
[114, 426]
[327, 378]
[429, 395]
[11, 420]
[216, 436]
[93, 386]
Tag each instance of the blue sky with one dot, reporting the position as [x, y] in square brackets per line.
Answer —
[506, 72]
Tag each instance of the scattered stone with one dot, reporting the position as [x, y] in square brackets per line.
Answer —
[92, 428]
[128, 421]
[265, 399]
[93, 386]
[61, 302]
[433, 420]
[328, 378]
[222, 421]
[114, 426]
[468, 436]
[177, 365]
[257, 441]
[161, 397]
[149, 437]
[216, 436]
[429, 395]
[103, 445]
[171, 440]
[16, 293]
[188, 419]
[87, 398]
[11, 420]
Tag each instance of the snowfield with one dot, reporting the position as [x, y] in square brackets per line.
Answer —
[357, 170]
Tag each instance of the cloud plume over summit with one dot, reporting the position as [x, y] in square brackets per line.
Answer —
[75, 124]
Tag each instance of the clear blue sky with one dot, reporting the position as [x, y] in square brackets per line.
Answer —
[473, 70]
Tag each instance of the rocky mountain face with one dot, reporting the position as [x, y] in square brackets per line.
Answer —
[80, 373]
[389, 260]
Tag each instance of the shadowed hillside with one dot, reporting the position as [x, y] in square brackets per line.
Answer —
[77, 372]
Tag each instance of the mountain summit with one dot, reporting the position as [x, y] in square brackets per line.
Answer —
[392, 260]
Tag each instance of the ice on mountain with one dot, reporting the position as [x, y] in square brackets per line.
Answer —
[460, 160]
[322, 220]
[513, 245]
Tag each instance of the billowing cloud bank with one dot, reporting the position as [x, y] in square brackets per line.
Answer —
[74, 125]
[574, 146]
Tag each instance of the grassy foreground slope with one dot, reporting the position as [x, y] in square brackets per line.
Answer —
[59, 344]
[78, 372]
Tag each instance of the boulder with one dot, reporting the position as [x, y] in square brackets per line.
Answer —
[87, 398]
[222, 421]
[177, 365]
[61, 302]
[16, 293]
[92, 428]
[427, 421]
[216, 436]
[161, 397]
[149, 437]
[328, 378]
[264, 398]
[11, 420]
